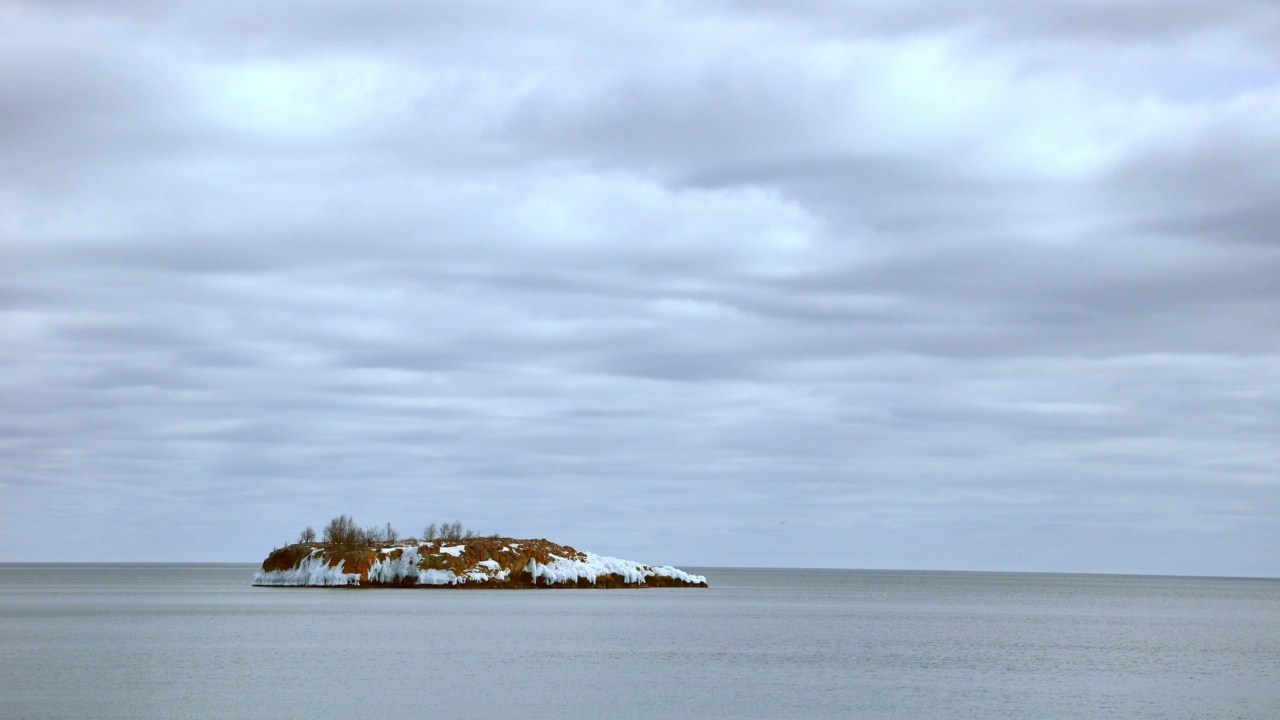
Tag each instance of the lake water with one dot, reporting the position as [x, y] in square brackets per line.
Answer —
[196, 641]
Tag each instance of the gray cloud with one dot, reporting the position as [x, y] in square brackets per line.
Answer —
[944, 286]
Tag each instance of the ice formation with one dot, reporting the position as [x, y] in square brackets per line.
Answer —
[567, 570]
[313, 570]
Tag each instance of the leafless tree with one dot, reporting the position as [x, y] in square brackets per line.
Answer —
[342, 530]
[308, 535]
[430, 532]
[389, 533]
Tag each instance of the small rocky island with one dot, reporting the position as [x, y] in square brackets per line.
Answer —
[367, 558]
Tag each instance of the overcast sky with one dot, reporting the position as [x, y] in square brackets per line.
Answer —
[989, 285]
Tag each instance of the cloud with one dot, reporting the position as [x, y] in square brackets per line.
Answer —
[944, 286]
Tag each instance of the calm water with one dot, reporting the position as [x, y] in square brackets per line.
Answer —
[196, 641]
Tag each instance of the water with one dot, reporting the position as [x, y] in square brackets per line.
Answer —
[196, 641]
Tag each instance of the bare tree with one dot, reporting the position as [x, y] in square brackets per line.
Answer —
[342, 530]
[430, 532]
[308, 535]
[389, 533]
[372, 534]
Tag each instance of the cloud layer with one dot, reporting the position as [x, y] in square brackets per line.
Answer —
[955, 286]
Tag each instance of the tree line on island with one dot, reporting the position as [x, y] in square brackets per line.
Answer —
[343, 531]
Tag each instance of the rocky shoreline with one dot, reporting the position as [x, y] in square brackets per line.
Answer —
[481, 562]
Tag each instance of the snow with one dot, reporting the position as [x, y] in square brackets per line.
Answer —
[454, 550]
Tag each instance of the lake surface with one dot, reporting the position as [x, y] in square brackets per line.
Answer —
[196, 641]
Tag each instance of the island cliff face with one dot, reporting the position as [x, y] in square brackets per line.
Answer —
[462, 563]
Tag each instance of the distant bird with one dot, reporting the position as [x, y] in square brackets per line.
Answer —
[784, 522]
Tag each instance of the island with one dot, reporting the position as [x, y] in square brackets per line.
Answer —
[457, 562]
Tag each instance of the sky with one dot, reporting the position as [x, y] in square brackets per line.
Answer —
[983, 285]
